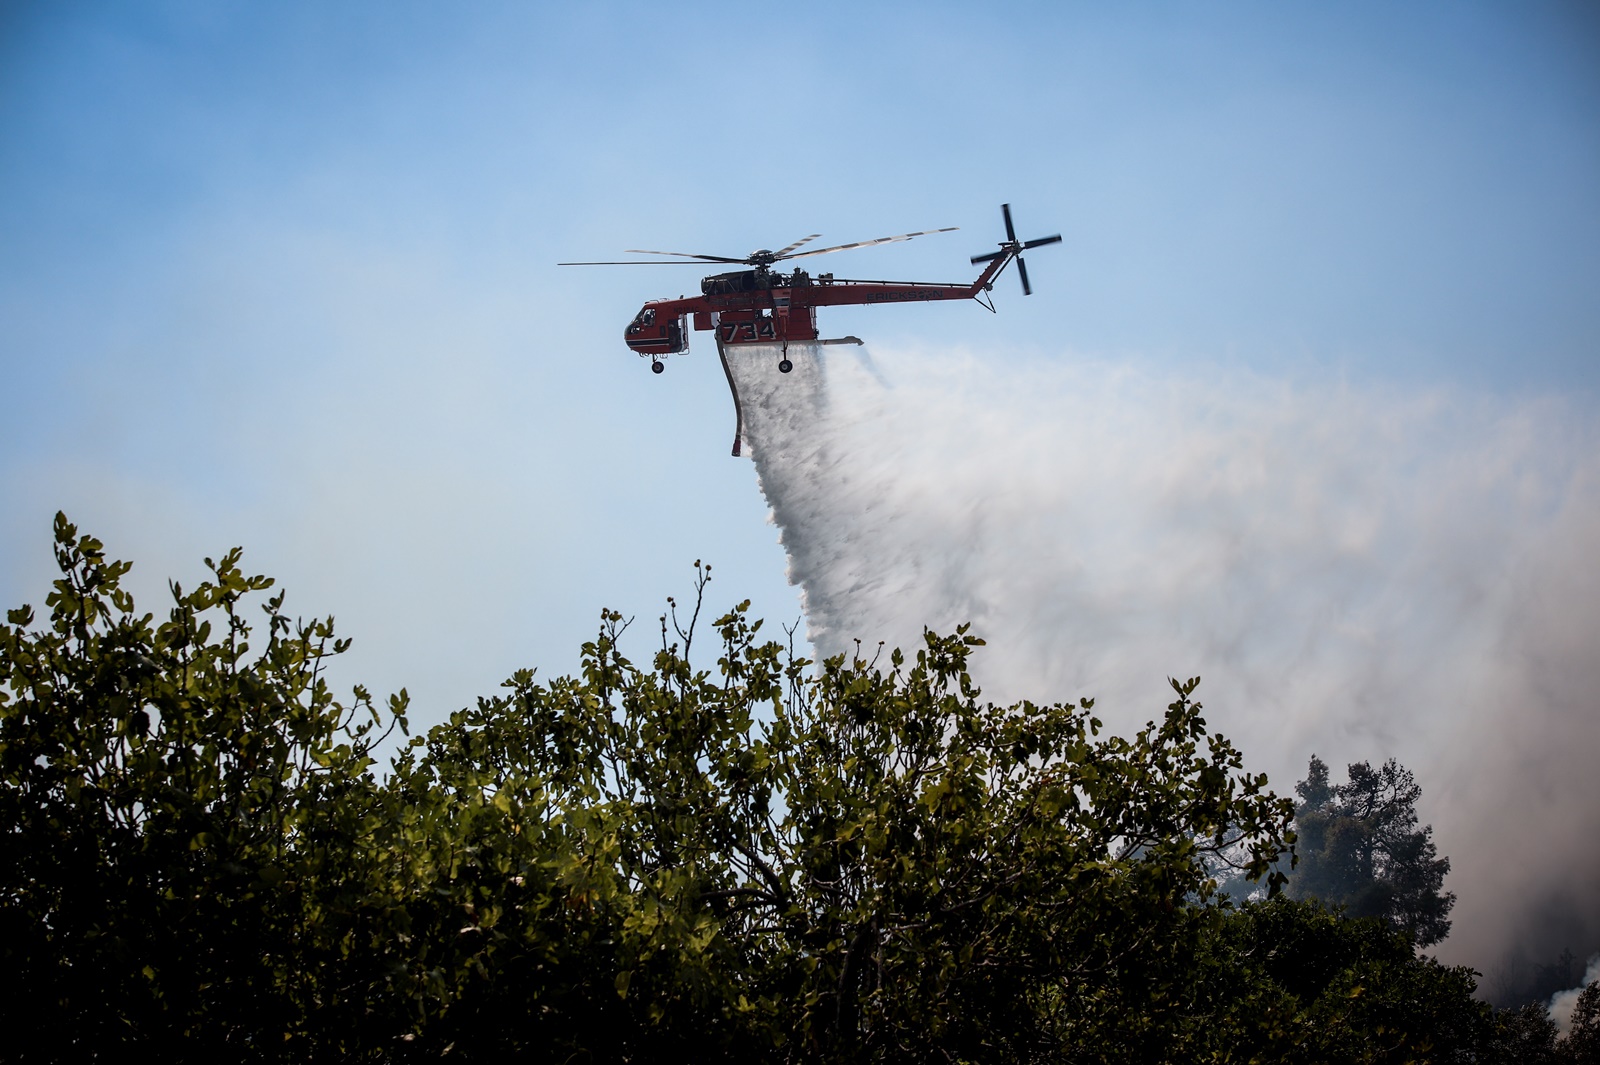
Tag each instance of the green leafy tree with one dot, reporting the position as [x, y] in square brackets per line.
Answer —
[868, 862]
[1359, 847]
[188, 827]
[1291, 981]
[768, 860]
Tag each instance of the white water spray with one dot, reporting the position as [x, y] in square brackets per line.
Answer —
[1354, 572]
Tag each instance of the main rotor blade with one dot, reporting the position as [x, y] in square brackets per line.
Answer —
[1042, 241]
[1011, 234]
[1022, 271]
[783, 253]
[870, 243]
[632, 262]
[991, 257]
[685, 255]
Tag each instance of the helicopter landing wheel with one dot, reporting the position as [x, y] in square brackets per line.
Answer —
[657, 367]
[785, 366]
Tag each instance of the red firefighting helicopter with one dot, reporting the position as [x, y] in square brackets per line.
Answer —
[766, 306]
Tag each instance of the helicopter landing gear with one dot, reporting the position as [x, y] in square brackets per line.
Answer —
[784, 366]
[657, 367]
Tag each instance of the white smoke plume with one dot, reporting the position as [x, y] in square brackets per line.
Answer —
[1357, 572]
[1562, 1003]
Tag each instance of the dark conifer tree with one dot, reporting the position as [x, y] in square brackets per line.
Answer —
[1360, 848]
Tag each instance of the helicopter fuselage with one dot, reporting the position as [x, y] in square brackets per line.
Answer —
[763, 306]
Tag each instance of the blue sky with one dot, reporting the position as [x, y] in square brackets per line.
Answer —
[282, 274]
[1405, 189]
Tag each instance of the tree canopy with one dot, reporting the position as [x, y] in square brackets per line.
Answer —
[770, 859]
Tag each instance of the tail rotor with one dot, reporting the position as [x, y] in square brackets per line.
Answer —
[1014, 248]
